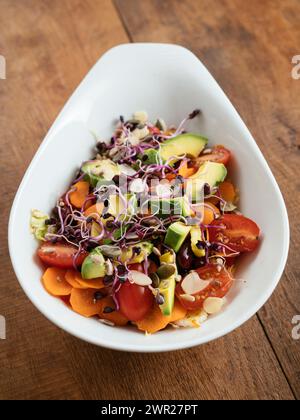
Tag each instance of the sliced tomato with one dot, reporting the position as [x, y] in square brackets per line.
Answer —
[220, 283]
[154, 130]
[237, 232]
[60, 255]
[135, 301]
[219, 154]
[140, 267]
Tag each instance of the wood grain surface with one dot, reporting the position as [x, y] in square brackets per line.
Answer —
[248, 46]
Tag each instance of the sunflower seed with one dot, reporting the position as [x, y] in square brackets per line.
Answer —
[193, 284]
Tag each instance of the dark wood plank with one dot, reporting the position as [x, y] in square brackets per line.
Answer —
[49, 46]
[248, 47]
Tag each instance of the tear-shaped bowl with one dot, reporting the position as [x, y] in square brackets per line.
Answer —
[169, 82]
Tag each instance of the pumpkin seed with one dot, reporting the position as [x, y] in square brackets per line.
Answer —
[165, 271]
[155, 280]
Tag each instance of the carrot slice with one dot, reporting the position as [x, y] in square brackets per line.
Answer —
[78, 197]
[75, 279]
[185, 171]
[95, 210]
[72, 278]
[227, 191]
[83, 302]
[170, 177]
[208, 212]
[156, 321]
[90, 284]
[116, 317]
[55, 283]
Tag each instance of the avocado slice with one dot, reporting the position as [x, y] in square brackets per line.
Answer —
[176, 235]
[130, 254]
[165, 207]
[196, 236]
[167, 290]
[189, 144]
[167, 258]
[117, 205]
[95, 230]
[94, 265]
[151, 157]
[210, 173]
[100, 171]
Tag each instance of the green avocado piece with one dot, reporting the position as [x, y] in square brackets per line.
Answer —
[134, 258]
[176, 235]
[167, 290]
[151, 157]
[211, 173]
[165, 207]
[185, 144]
[100, 171]
[117, 205]
[94, 265]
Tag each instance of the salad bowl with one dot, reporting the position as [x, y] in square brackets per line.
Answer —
[170, 87]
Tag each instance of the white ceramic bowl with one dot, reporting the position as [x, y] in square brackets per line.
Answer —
[169, 82]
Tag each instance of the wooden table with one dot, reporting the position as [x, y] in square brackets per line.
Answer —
[248, 46]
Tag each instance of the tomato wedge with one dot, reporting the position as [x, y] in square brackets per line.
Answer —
[60, 255]
[237, 232]
[135, 301]
[219, 154]
[220, 283]
[140, 267]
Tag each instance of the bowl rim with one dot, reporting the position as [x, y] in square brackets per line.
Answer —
[102, 341]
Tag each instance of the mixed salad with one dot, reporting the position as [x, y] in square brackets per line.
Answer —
[148, 232]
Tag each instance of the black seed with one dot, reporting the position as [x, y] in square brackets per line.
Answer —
[108, 310]
[121, 269]
[207, 189]
[200, 244]
[122, 279]
[54, 240]
[194, 114]
[106, 216]
[89, 219]
[106, 203]
[122, 119]
[137, 250]
[160, 300]
[110, 224]
[51, 221]
[144, 158]
[101, 147]
[98, 295]
[107, 280]
[214, 247]
[116, 179]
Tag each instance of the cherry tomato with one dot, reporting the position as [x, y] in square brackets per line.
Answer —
[140, 267]
[60, 255]
[154, 130]
[237, 232]
[135, 301]
[218, 154]
[220, 283]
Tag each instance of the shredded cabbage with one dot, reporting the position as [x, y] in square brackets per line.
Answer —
[37, 224]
